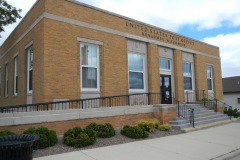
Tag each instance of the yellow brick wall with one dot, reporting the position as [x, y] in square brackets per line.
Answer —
[153, 69]
[56, 73]
[201, 75]
[92, 16]
[179, 86]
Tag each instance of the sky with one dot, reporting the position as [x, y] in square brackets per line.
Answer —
[216, 22]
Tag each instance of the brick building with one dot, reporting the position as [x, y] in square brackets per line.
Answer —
[63, 49]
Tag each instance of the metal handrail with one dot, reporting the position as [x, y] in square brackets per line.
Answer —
[107, 101]
[184, 111]
[216, 105]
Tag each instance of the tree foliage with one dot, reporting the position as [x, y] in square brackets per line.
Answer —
[8, 14]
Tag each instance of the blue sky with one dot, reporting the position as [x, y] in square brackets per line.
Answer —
[212, 21]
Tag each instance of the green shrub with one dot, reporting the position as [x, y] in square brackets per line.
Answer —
[102, 130]
[6, 133]
[47, 138]
[148, 125]
[232, 112]
[164, 127]
[134, 132]
[76, 137]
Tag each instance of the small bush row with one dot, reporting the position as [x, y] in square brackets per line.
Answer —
[78, 137]
[102, 130]
[75, 137]
[143, 127]
[47, 138]
[134, 132]
[6, 133]
[148, 125]
[232, 112]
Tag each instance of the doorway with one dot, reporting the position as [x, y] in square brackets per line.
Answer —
[166, 89]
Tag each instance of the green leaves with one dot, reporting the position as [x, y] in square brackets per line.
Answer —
[8, 14]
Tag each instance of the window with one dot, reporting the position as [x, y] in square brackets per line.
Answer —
[6, 80]
[15, 85]
[187, 74]
[165, 64]
[29, 69]
[209, 78]
[136, 71]
[90, 67]
[238, 100]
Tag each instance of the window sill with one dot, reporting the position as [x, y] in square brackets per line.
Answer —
[90, 92]
[137, 91]
[210, 91]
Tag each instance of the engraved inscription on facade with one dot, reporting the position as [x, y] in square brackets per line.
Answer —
[160, 35]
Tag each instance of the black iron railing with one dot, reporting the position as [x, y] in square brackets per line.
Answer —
[184, 111]
[214, 104]
[112, 101]
[194, 96]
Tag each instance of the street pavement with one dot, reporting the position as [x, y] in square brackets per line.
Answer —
[216, 143]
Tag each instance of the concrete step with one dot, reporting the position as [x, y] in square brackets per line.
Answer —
[205, 121]
[202, 115]
[207, 115]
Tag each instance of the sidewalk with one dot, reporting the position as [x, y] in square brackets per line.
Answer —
[210, 144]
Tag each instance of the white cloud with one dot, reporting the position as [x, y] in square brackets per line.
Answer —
[229, 48]
[174, 14]
[170, 15]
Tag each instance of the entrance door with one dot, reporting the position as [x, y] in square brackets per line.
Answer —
[166, 89]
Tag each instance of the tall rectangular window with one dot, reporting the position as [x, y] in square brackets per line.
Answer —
[15, 80]
[209, 78]
[136, 67]
[90, 67]
[187, 75]
[6, 80]
[29, 69]
[165, 64]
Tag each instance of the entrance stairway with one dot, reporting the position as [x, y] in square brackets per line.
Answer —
[202, 116]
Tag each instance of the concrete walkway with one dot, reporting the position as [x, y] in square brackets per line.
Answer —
[222, 142]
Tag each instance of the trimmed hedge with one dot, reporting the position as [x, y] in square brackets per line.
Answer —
[232, 112]
[134, 132]
[164, 127]
[148, 125]
[102, 130]
[77, 137]
[6, 133]
[47, 138]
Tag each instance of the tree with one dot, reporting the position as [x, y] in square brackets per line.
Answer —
[8, 14]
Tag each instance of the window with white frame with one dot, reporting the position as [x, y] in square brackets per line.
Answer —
[187, 75]
[209, 78]
[136, 67]
[15, 80]
[6, 80]
[165, 64]
[29, 69]
[90, 79]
